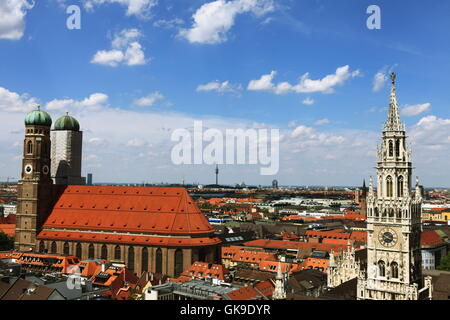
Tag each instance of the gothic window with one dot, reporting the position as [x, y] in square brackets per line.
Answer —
[391, 149]
[131, 258]
[394, 270]
[397, 148]
[144, 259]
[178, 262]
[29, 147]
[41, 246]
[389, 186]
[53, 247]
[117, 253]
[66, 249]
[158, 260]
[376, 212]
[91, 251]
[104, 253]
[381, 268]
[78, 250]
[400, 186]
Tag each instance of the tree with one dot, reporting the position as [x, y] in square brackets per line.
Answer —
[445, 263]
[6, 243]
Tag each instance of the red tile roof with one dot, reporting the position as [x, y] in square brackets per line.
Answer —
[143, 210]
[8, 229]
[261, 290]
[430, 239]
[280, 244]
[200, 270]
[114, 238]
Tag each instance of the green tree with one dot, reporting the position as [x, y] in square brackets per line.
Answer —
[6, 243]
[445, 263]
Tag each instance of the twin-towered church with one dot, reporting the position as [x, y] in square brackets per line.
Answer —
[150, 229]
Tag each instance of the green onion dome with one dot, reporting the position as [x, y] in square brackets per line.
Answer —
[38, 118]
[67, 123]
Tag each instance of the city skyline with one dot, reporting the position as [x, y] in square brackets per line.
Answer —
[154, 70]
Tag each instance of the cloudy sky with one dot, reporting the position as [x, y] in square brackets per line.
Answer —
[139, 69]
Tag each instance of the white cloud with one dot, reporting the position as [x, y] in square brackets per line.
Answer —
[12, 18]
[213, 20]
[94, 102]
[138, 8]
[149, 100]
[168, 24]
[305, 85]
[414, 110]
[125, 49]
[308, 101]
[379, 80]
[321, 122]
[12, 101]
[220, 87]
[136, 142]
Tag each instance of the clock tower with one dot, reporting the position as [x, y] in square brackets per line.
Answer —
[35, 185]
[394, 266]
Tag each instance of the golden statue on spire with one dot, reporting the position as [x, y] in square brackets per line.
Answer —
[393, 76]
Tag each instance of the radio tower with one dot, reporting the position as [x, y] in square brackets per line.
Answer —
[217, 175]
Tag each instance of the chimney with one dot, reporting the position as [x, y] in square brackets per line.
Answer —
[103, 267]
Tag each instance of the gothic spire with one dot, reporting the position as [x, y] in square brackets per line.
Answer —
[393, 121]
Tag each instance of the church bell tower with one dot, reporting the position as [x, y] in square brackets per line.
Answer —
[35, 185]
[394, 265]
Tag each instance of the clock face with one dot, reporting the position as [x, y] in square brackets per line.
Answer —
[45, 170]
[387, 237]
[28, 168]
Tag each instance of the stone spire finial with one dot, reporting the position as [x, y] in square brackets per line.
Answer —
[393, 122]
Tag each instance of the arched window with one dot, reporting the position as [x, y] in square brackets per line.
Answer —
[78, 252]
[144, 259]
[381, 268]
[394, 270]
[178, 262]
[117, 253]
[376, 212]
[131, 258]
[397, 148]
[389, 186]
[104, 253]
[66, 249]
[41, 246]
[91, 251]
[158, 268]
[391, 149]
[29, 147]
[53, 247]
[400, 186]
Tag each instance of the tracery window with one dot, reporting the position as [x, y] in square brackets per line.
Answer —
[394, 270]
[381, 268]
[400, 186]
[391, 149]
[389, 189]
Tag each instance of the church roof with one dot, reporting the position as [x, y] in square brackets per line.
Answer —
[109, 213]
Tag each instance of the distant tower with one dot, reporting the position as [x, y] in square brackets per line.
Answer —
[67, 142]
[279, 292]
[35, 186]
[217, 175]
[275, 184]
[89, 179]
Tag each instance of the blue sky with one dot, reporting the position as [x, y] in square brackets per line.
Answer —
[134, 72]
